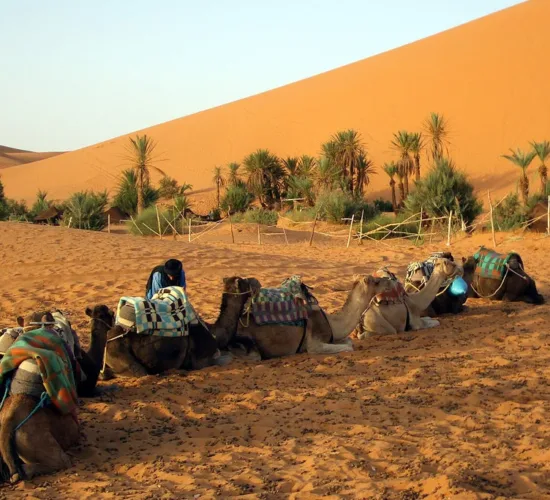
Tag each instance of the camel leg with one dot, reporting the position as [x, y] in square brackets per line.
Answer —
[322, 348]
[346, 341]
[383, 326]
[122, 362]
[427, 322]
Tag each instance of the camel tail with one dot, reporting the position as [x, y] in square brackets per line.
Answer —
[7, 441]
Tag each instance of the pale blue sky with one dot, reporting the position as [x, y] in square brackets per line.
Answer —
[75, 73]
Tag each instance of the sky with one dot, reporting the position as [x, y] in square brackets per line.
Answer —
[75, 73]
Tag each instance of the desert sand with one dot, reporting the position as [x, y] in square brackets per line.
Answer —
[10, 157]
[454, 412]
[486, 77]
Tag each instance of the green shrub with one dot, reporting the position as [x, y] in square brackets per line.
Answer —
[509, 214]
[304, 215]
[126, 197]
[41, 204]
[336, 205]
[261, 216]
[445, 188]
[17, 210]
[301, 187]
[85, 210]
[383, 205]
[237, 197]
[149, 224]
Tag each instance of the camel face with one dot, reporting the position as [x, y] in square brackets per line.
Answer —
[448, 268]
[372, 285]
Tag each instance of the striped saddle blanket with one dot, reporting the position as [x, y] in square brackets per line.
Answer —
[167, 314]
[492, 265]
[426, 268]
[395, 295]
[289, 304]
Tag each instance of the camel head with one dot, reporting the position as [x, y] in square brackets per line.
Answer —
[241, 286]
[366, 287]
[102, 319]
[447, 268]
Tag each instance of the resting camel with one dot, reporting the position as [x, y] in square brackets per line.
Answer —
[134, 355]
[323, 333]
[446, 301]
[401, 311]
[509, 283]
[41, 441]
[90, 362]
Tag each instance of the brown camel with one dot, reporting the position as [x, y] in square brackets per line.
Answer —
[323, 333]
[91, 362]
[134, 355]
[403, 311]
[512, 285]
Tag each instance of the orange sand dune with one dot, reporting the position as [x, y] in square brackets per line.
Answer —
[11, 157]
[459, 411]
[485, 76]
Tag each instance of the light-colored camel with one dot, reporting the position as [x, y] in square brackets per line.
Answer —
[323, 333]
[405, 313]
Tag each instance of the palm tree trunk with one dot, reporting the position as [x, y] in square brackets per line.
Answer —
[524, 187]
[406, 184]
[218, 186]
[140, 201]
[417, 162]
[543, 172]
[401, 192]
[393, 198]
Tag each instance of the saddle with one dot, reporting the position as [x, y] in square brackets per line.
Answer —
[397, 293]
[493, 265]
[426, 268]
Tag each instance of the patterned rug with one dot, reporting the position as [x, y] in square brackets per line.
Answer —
[426, 268]
[492, 265]
[288, 304]
[50, 354]
[167, 314]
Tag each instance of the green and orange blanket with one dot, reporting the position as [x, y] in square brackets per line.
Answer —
[51, 356]
[492, 265]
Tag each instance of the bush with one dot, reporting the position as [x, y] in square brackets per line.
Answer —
[85, 210]
[261, 216]
[301, 187]
[383, 205]
[238, 198]
[17, 210]
[127, 196]
[169, 188]
[304, 215]
[41, 204]
[383, 220]
[444, 189]
[509, 214]
[336, 205]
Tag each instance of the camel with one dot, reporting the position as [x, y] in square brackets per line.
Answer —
[446, 301]
[30, 431]
[322, 333]
[129, 354]
[509, 283]
[90, 362]
[399, 311]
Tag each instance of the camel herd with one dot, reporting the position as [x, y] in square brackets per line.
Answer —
[376, 304]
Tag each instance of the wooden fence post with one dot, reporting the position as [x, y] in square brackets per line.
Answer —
[420, 225]
[109, 223]
[492, 219]
[313, 230]
[449, 229]
[361, 228]
[284, 232]
[259, 236]
[231, 224]
[158, 221]
[137, 227]
[350, 230]
[189, 229]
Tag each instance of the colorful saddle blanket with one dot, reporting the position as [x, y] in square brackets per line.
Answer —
[50, 354]
[427, 268]
[288, 304]
[395, 295]
[492, 265]
[167, 314]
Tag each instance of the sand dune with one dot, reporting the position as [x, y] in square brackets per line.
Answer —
[11, 157]
[485, 76]
[454, 412]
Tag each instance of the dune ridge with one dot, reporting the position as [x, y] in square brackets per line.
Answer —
[469, 73]
[11, 157]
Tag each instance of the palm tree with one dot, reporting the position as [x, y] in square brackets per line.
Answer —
[522, 160]
[365, 168]
[391, 170]
[349, 148]
[436, 127]
[401, 177]
[542, 150]
[233, 175]
[402, 142]
[265, 176]
[140, 154]
[327, 173]
[417, 145]
[306, 166]
[291, 165]
[219, 181]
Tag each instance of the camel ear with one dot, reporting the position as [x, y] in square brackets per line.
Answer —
[89, 311]
[357, 278]
[464, 260]
[21, 321]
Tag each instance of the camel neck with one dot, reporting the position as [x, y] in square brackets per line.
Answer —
[422, 299]
[344, 321]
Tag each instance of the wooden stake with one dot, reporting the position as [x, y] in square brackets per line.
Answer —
[189, 230]
[492, 219]
[259, 236]
[313, 230]
[432, 230]
[361, 228]
[548, 218]
[449, 229]
[137, 227]
[158, 222]
[108, 223]
[284, 232]
[70, 221]
[420, 226]
[231, 225]
[350, 230]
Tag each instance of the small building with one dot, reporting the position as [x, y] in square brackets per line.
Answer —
[51, 215]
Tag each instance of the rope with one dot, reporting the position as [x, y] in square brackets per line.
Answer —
[6, 392]
[44, 400]
[508, 269]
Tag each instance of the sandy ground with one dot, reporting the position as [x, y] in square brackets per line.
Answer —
[463, 73]
[454, 412]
